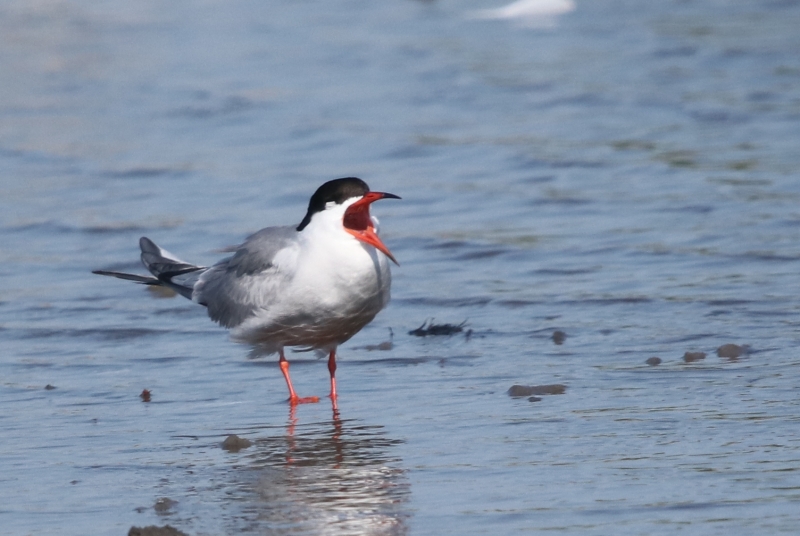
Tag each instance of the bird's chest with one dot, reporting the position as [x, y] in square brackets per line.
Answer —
[344, 281]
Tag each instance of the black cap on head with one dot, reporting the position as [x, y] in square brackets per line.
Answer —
[337, 191]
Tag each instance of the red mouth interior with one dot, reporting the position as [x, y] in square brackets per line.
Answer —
[356, 217]
[358, 223]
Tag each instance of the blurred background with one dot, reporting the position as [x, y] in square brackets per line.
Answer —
[625, 172]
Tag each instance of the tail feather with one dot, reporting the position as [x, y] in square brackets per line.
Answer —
[169, 270]
[161, 262]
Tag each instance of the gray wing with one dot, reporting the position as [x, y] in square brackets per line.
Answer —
[234, 288]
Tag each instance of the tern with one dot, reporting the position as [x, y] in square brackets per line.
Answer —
[311, 286]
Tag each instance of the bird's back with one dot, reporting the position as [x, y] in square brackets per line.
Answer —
[250, 280]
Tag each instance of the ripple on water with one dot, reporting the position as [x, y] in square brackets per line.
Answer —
[110, 334]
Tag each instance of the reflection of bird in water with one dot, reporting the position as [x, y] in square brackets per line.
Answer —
[337, 477]
[313, 285]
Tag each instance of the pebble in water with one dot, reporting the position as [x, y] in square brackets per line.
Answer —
[234, 443]
[653, 361]
[529, 390]
[690, 357]
[559, 337]
[164, 505]
[731, 351]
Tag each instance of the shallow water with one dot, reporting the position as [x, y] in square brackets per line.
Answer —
[628, 176]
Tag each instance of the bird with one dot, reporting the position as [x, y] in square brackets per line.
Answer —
[310, 286]
[540, 13]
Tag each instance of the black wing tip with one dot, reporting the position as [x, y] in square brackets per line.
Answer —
[144, 280]
[105, 272]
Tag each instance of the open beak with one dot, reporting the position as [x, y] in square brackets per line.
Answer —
[358, 223]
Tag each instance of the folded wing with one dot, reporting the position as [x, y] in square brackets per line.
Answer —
[237, 287]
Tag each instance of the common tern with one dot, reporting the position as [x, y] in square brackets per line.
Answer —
[311, 286]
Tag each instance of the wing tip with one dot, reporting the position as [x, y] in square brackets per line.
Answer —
[144, 280]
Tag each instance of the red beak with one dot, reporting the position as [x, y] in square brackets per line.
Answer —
[357, 222]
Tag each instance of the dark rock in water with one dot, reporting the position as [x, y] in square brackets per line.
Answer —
[732, 351]
[520, 390]
[152, 530]
[234, 443]
[528, 390]
[690, 357]
[534, 399]
[49, 387]
[145, 396]
[164, 505]
[653, 361]
[385, 345]
[559, 337]
[429, 328]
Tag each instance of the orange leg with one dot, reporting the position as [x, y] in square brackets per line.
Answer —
[293, 398]
[332, 370]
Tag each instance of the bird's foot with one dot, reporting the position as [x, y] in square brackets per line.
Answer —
[294, 400]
